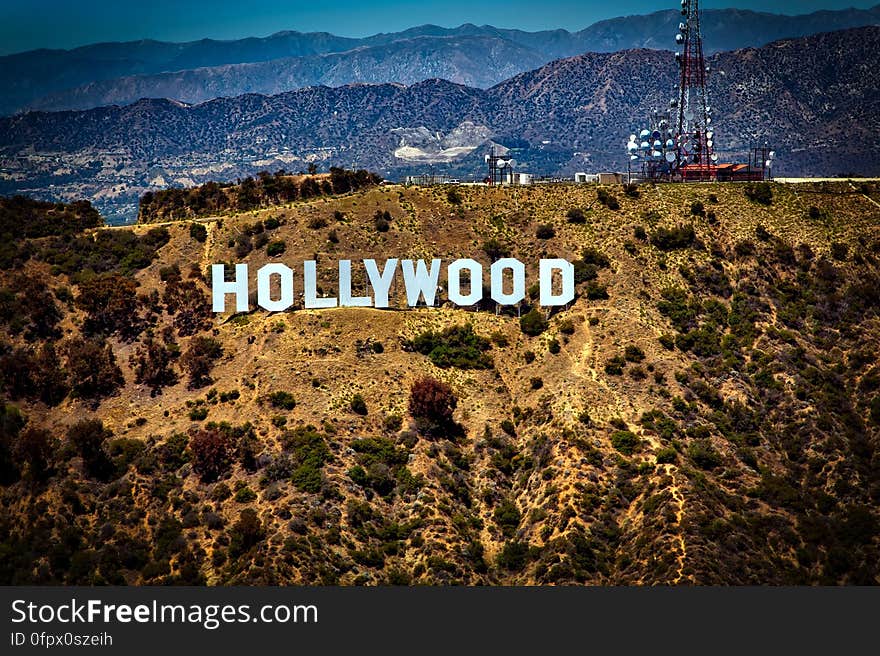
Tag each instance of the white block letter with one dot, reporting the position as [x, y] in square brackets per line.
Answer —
[345, 297]
[264, 287]
[566, 269]
[518, 270]
[420, 282]
[310, 283]
[239, 287]
[381, 284]
[453, 276]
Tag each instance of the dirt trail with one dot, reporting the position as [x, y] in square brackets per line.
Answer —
[679, 514]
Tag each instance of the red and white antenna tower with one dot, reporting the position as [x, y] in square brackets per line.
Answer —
[694, 136]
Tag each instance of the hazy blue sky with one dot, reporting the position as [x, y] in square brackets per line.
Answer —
[29, 24]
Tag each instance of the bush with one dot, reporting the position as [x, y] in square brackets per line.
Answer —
[508, 427]
[199, 359]
[536, 382]
[545, 232]
[211, 450]
[633, 353]
[667, 455]
[152, 364]
[309, 452]
[453, 197]
[513, 556]
[283, 400]
[111, 305]
[667, 239]
[760, 193]
[839, 251]
[198, 232]
[495, 250]
[432, 402]
[625, 441]
[639, 233]
[358, 405]
[607, 199]
[246, 533]
[553, 346]
[93, 371]
[198, 413]
[704, 455]
[596, 291]
[276, 248]
[697, 208]
[576, 215]
[88, 437]
[667, 341]
[317, 222]
[507, 517]
[381, 221]
[614, 366]
[454, 346]
[631, 190]
[533, 323]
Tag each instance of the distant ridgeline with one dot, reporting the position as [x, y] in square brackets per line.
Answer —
[265, 190]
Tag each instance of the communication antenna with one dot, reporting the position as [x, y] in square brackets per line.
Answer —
[695, 145]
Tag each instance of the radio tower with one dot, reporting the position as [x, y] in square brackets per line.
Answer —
[694, 138]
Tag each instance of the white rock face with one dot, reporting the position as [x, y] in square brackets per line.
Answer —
[421, 145]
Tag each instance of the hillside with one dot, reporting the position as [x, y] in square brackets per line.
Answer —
[114, 73]
[706, 411]
[570, 115]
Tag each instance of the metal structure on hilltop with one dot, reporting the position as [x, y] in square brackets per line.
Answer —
[694, 137]
[498, 167]
[678, 144]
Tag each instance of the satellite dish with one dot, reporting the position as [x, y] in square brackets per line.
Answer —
[682, 27]
[644, 134]
[645, 145]
[688, 115]
[658, 144]
[511, 163]
[769, 163]
[664, 124]
[673, 102]
[487, 159]
[633, 157]
[632, 137]
[670, 157]
[679, 38]
[670, 143]
[708, 120]
[714, 157]
[656, 153]
[710, 134]
[709, 143]
[655, 134]
[678, 56]
[502, 163]
[772, 154]
[632, 145]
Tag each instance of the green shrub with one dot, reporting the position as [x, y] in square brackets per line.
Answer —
[633, 353]
[667, 455]
[533, 323]
[495, 249]
[198, 413]
[703, 455]
[276, 248]
[455, 346]
[507, 517]
[536, 383]
[760, 193]
[308, 452]
[668, 239]
[625, 442]
[453, 197]
[358, 405]
[283, 400]
[576, 215]
[508, 427]
[553, 346]
[245, 495]
[545, 232]
[614, 366]
[596, 292]
[198, 232]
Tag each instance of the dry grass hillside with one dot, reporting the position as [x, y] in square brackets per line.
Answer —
[705, 412]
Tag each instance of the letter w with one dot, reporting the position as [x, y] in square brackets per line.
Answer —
[419, 281]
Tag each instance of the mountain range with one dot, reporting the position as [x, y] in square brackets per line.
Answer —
[809, 98]
[478, 56]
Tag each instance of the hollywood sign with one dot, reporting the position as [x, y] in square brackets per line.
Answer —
[420, 280]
